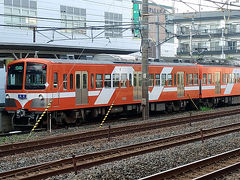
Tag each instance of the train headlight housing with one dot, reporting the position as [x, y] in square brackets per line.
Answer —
[7, 96]
[41, 97]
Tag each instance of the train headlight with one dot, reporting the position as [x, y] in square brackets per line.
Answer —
[41, 97]
[7, 96]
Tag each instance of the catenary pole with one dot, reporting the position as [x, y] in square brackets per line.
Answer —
[145, 46]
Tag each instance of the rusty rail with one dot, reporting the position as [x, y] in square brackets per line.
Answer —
[28, 146]
[89, 160]
[199, 170]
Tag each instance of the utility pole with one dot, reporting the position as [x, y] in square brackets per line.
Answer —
[145, 46]
[158, 47]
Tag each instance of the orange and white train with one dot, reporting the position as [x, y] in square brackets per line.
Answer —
[80, 89]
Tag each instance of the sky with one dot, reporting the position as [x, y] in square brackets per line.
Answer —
[182, 6]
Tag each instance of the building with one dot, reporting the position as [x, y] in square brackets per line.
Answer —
[159, 28]
[65, 29]
[209, 34]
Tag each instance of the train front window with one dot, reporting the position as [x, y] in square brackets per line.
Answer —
[35, 76]
[15, 76]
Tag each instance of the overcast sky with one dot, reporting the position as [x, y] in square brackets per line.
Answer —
[197, 5]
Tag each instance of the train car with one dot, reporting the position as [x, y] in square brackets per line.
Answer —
[80, 89]
[220, 84]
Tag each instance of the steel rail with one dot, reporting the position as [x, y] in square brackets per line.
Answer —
[61, 140]
[89, 160]
[186, 171]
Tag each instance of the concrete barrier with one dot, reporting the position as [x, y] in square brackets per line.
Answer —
[5, 121]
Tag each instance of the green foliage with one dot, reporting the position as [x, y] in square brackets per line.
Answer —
[203, 108]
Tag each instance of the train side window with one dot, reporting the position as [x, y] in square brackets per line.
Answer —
[204, 79]
[139, 80]
[230, 78]
[163, 79]
[237, 77]
[55, 80]
[124, 80]
[157, 79]
[151, 79]
[186, 79]
[71, 81]
[195, 79]
[64, 81]
[135, 80]
[175, 80]
[226, 78]
[107, 80]
[223, 78]
[99, 80]
[209, 78]
[78, 81]
[92, 81]
[130, 80]
[190, 79]
[115, 80]
[169, 79]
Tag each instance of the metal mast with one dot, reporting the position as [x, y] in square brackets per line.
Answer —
[145, 45]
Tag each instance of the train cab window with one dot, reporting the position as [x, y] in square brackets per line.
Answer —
[116, 80]
[157, 79]
[55, 80]
[107, 80]
[186, 79]
[64, 81]
[71, 81]
[226, 78]
[204, 79]
[209, 78]
[151, 79]
[190, 79]
[92, 81]
[195, 78]
[163, 79]
[99, 81]
[169, 79]
[124, 80]
[130, 80]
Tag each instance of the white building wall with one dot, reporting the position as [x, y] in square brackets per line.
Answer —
[94, 12]
[2, 85]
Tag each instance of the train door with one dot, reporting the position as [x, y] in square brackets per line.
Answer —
[180, 84]
[137, 86]
[217, 83]
[81, 84]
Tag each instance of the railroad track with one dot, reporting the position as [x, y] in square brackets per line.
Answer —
[89, 160]
[28, 146]
[208, 168]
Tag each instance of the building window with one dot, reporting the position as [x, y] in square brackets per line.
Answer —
[74, 19]
[113, 21]
[21, 12]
